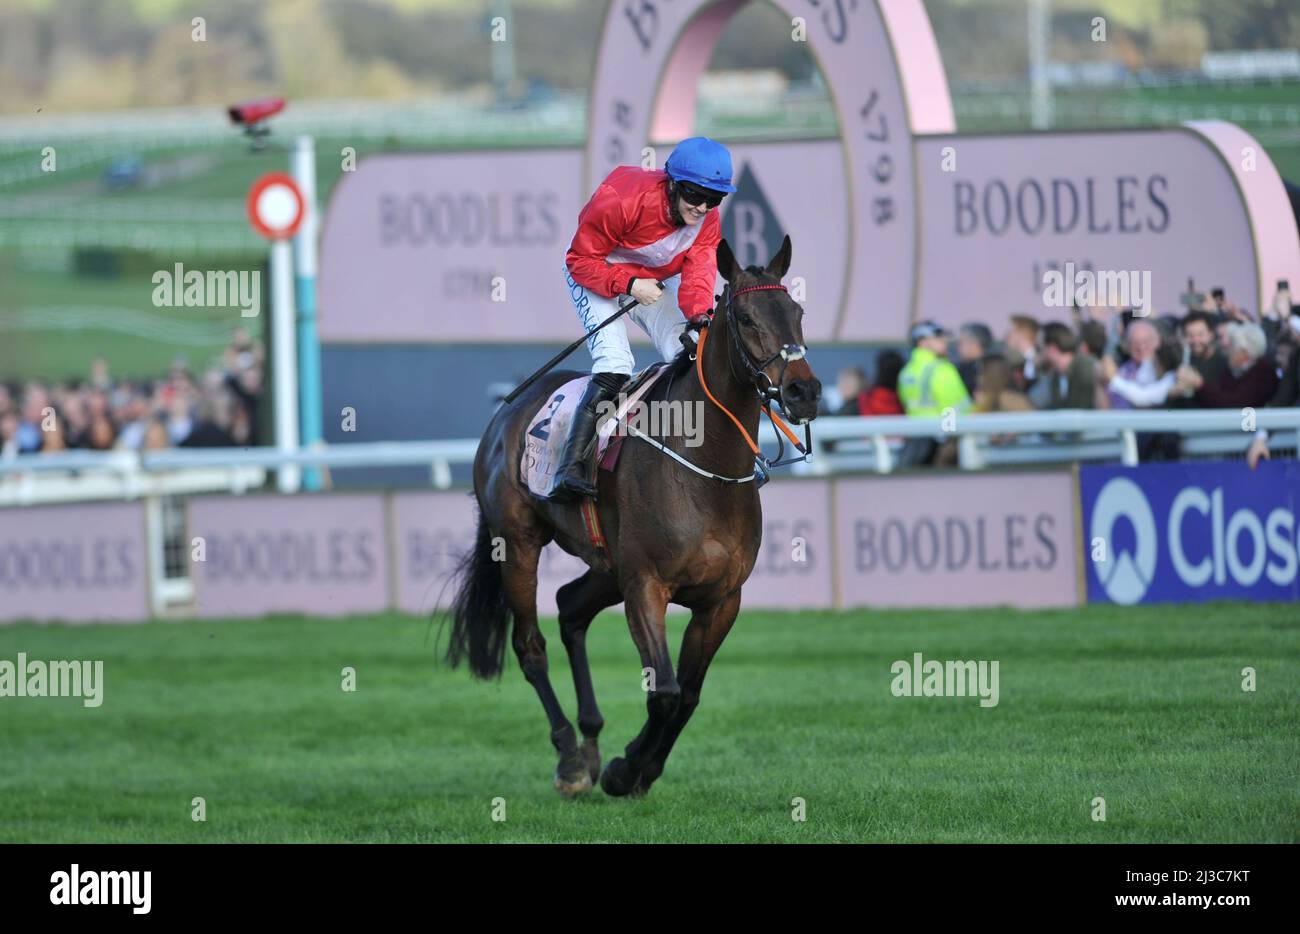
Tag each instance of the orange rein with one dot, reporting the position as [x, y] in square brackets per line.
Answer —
[777, 421]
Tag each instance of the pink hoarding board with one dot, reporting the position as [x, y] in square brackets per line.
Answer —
[897, 218]
[412, 245]
[1276, 239]
[881, 65]
[324, 555]
[999, 211]
[81, 563]
[454, 247]
[793, 569]
[781, 189]
[431, 531]
[957, 541]
[430, 534]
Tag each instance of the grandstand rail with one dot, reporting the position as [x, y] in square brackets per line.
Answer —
[840, 445]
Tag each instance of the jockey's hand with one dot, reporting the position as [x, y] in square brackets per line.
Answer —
[646, 291]
[700, 320]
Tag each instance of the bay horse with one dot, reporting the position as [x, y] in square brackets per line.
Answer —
[672, 534]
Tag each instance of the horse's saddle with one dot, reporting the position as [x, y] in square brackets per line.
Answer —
[548, 429]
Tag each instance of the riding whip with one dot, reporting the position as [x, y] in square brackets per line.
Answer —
[551, 364]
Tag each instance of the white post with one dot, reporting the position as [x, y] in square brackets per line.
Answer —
[155, 543]
[1040, 90]
[503, 53]
[884, 459]
[285, 362]
[1128, 447]
[304, 251]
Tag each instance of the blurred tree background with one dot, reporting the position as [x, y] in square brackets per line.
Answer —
[80, 55]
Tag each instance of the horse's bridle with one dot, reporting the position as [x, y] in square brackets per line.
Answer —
[767, 392]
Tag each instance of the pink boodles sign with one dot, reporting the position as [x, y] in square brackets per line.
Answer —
[325, 555]
[86, 562]
[957, 541]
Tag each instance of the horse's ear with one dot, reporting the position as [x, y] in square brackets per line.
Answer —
[727, 264]
[780, 263]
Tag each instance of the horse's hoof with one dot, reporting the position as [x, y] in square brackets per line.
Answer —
[618, 780]
[591, 755]
[573, 787]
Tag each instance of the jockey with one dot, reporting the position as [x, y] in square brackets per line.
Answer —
[641, 230]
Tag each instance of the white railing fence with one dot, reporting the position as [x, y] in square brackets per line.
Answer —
[839, 445]
[1058, 437]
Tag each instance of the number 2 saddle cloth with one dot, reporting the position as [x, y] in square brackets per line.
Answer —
[549, 429]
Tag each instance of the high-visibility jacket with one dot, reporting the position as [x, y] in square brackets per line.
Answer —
[929, 384]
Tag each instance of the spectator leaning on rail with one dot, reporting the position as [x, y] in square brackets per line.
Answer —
[850, 383]
[1137, 384]
[1072, 380]
[1022, 345]
[928, 386]
[1287, 351]
[1284, 334]
[1251, 378]
[1092, 347]
[881, 398]
[974, 341]
[1203, 355]
[994, 392]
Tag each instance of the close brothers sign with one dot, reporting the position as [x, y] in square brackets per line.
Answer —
[899, 218]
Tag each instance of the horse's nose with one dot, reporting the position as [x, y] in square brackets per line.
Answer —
[804, 392]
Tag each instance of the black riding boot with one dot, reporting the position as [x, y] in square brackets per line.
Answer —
[572, 476]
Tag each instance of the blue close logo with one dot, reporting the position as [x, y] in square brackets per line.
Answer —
[1191, 532]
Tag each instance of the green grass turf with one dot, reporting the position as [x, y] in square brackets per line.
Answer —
[1142, 706]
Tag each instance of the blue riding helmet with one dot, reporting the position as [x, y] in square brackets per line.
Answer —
[702, 161]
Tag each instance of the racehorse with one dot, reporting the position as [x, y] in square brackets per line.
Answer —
[675, 533]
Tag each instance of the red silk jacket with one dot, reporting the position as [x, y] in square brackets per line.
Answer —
[625, 232]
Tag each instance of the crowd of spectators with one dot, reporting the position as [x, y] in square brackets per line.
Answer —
[217, 409]
[1215, 355]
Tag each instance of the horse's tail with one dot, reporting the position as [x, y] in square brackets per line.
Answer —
[480, 614]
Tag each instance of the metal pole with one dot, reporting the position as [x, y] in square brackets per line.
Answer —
[1039, 88]
[304, 252]
[155, 543]
[503, 53]
[286, 369]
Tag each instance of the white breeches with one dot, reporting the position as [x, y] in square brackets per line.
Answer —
[610, 351]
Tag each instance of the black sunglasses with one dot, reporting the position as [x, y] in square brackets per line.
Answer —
[694, 195]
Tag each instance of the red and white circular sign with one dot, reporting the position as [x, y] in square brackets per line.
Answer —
[276, 206]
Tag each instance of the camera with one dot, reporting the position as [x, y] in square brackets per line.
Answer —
[252, 116]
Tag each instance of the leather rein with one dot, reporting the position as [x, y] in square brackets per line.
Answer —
[767, 392]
